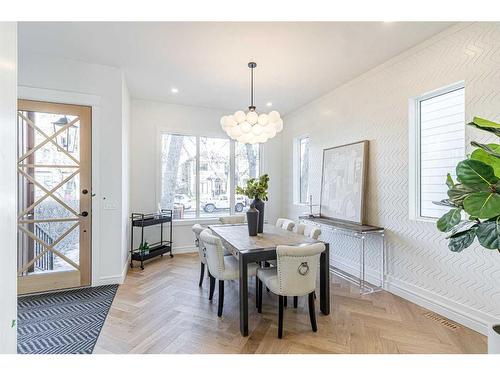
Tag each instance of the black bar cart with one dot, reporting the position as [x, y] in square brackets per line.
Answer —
[140, 220]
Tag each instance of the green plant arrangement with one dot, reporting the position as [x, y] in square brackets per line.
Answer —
[256, 188]
[144, 247]
[476, 195]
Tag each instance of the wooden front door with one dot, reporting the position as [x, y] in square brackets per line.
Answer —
[54, 190]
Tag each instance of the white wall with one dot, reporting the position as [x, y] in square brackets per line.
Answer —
[73, 79]
[126, 126]
[374, 106]
[8, 187]
[148, 119]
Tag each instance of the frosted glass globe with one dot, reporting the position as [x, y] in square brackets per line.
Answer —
[262, 138]
[257, 129]
[271, 133]
[274, 116]
[252, 117]
[236, 131]
[223, 121]
[271, 127]
[244, 138]
[245, 127]
[252, 140]
[240, 116]
[279, 125]
[263, 119]
[230, 122]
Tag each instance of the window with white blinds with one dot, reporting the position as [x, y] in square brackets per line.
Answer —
[441, 133]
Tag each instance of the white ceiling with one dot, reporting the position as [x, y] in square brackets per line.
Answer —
[207, 62]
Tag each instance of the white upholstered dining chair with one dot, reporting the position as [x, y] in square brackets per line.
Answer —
[295, 275]
[221, 267]
[197, 229]
[234, 219]
[285, 224]
[308, 230]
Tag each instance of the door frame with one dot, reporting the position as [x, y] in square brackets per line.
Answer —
[47, 282]
[93, 101]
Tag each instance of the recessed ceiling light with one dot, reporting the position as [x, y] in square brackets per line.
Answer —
[174, 90]
[269, 104]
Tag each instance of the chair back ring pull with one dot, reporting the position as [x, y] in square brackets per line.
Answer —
[303, 268]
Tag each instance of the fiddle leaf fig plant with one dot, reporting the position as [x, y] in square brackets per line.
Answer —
[256, 188]
[475, 196]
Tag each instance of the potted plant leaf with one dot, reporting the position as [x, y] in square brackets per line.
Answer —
[474, 202]
[256, 189]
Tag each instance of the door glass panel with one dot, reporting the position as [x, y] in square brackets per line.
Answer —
[49, 192]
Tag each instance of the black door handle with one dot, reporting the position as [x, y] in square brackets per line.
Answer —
[84, 214]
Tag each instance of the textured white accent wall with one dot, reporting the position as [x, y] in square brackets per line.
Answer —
[464, 286]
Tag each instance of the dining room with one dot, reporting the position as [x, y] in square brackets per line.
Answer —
[212, 195]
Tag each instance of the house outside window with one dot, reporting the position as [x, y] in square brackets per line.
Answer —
[198, 175]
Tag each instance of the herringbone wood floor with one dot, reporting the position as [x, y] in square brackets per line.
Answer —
[162, 310]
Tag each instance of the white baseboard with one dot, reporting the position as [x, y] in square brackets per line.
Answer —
[119, 279]
[184, 249]
[471, 318]
[116, 279]
[353, 269]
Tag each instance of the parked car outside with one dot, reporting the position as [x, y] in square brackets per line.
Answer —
[183, 200]
[221, 202]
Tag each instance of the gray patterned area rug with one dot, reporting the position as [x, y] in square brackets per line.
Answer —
[66, 322]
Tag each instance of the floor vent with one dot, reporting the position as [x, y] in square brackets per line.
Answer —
[439, 319]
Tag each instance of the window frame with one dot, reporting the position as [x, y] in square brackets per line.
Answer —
[414, 143]
[232, 172]
[297, 176]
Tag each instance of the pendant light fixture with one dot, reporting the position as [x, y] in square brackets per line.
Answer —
[252, 127]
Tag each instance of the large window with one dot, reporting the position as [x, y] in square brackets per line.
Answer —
[301, 169]
[199, 175]
[438, 144]
[304, 169]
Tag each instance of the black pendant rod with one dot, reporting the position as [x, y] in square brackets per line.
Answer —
[251, 65]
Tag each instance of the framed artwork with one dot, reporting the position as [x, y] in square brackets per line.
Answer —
[343, 182]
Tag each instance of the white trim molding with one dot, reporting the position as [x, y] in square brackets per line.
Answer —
[184, 250]
[115, 279]
[414, 148]
[77, 98]
[471, 318]
[296, 171]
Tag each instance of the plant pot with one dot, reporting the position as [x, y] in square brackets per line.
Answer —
[259, 205]
[494, 339]
[252, 220]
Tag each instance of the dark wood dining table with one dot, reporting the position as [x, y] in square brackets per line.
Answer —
[262, 248]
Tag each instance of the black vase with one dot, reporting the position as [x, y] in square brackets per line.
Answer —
[259, 205]
[252, 220]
